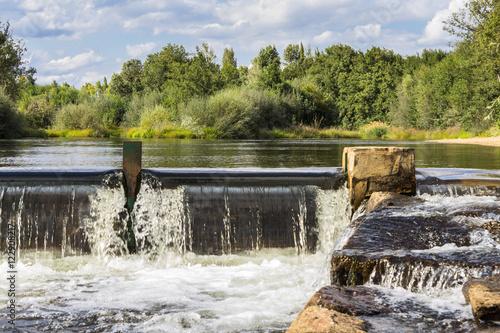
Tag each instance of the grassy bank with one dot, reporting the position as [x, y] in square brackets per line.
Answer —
[376, 130]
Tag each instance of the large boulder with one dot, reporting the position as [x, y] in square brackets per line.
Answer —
[374, 169]
[315, 319]
[484, 297]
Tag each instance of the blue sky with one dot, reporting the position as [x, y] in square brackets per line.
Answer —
[79, 41]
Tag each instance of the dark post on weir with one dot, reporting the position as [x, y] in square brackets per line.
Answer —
[132, 156]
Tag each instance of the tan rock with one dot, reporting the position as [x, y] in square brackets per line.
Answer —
[484, 297]
[380, 200]
[374, 169]
[314, 319]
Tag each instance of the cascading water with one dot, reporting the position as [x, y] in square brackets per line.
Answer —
[257, 282]
[224, 258]
[419, 256]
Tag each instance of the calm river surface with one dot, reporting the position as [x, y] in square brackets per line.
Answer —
[89, 153]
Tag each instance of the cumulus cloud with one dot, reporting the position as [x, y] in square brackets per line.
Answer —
[68, 63]
[434, 33]
[137, 50]
[47, 79]
[245, 25]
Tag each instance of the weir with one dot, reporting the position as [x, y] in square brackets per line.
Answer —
[430, 245]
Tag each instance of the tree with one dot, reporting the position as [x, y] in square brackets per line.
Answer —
[161, 68]
[479, 23]
[12, 69]
[268, 62]
[128, 81]
[465, 22]
[202, 74]
[292, 53]
[229, 71]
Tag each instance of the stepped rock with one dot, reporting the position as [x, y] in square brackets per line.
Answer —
[354, 301]
[484, 297]
[315, 319]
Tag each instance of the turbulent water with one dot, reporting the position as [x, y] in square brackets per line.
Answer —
[165, 287]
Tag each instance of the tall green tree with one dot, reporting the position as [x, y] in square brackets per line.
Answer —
[129, 80]
[202, 75]
[268, 64]
[12, 69]
[163, 68]
[479, 23]
[229, 71]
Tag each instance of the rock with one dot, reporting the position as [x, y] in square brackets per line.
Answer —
[314, 319]
[379, 200]
[484, 297]
[373, 169]
[354, 301]
[493, 227]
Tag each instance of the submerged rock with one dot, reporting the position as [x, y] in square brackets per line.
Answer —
[314, 319]
[484, 297]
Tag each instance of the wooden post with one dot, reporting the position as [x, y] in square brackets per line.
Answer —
[132, 156]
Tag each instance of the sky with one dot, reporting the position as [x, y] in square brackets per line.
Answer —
[80, 41]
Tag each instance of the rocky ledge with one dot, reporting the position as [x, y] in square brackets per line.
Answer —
[400, 243]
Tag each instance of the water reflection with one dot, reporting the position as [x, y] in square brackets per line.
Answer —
[87, 153]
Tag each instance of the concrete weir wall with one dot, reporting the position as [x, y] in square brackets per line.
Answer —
[375, 169]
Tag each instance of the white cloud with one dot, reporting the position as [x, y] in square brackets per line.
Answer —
[137, 50]
[47, 79]
[434, 33]
[91, 77]
[326, 37]
[245, 25]
[68, 63]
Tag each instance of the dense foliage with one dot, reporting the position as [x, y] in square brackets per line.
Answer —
[337, 87]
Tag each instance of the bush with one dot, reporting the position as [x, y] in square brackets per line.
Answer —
[375, 130]
[39, 113]
[226, 113]
[157, 117]
[11, 124]
[138, 105]
[111, 109]
[236, 112]
[78, 117]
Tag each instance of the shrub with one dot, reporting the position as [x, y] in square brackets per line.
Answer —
[138, 105]
[375, 129]
[39, 113]
[11, 124]
[78, 117]
[111, 109]
[236, 112]
[157, 117]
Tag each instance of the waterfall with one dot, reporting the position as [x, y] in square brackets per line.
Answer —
[218, 219]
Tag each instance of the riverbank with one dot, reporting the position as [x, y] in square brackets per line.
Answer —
[485, 141]
[375, 130]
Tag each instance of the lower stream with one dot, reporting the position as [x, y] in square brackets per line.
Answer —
[169, 286]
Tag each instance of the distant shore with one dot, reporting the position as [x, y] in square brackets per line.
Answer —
[486, 141]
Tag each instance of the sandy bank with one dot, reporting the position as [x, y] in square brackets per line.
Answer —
[487, 141]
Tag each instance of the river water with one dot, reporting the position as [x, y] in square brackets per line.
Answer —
[167, 290]
[163, 153]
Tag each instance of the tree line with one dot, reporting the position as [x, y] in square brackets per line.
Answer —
[335, 87]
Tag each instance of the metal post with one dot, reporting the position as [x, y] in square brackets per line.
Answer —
[132, 156]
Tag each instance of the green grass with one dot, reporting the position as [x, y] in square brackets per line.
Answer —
[370, 131]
